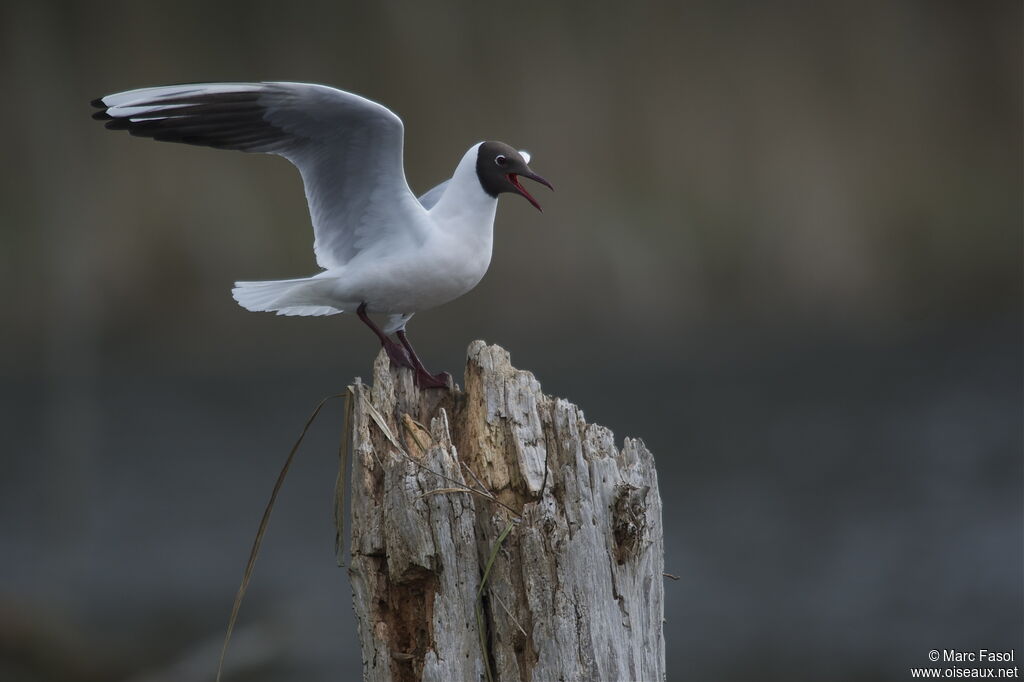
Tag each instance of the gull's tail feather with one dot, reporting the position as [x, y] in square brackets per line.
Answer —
[285, 297]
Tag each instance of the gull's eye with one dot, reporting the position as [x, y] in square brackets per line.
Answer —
[500, 160]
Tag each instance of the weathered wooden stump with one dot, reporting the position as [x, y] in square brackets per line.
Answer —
[500, 480]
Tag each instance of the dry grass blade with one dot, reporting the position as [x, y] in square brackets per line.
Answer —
[486, 494]
[509, 613]
[441, 491]
[412, 428]
[480, 600]
[247, 575]
[473, 474]
[379, 421]
[459, 486]
[340, 483]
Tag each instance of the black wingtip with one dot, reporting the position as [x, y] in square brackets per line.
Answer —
[102, 116]
[98, 103]
[118, 124]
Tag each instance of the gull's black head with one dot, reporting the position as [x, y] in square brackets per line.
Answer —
[499, 166]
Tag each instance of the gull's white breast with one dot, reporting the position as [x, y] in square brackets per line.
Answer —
[452, 259]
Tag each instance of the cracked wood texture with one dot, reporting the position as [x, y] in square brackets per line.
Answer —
[575, 590]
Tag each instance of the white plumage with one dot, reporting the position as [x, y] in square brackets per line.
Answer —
[381, 248]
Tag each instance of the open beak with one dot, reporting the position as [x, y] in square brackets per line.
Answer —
[514, 179]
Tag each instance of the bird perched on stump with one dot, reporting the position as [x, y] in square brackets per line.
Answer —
[382, 249]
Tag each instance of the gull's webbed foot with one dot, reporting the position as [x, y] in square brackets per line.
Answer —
[425, 379]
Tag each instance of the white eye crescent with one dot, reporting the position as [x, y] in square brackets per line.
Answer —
[500, 159]
[525, 154]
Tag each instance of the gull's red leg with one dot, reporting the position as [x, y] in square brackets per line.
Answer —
[395, 352]
[424, 379]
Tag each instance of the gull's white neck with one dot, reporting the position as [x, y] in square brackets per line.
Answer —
[465, 209]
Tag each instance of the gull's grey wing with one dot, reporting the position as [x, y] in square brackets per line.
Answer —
[433, 195]
[347, 148]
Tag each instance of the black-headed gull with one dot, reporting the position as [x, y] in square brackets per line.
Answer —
[382, 250]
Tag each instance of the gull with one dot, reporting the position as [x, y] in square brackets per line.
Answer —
[381, 249]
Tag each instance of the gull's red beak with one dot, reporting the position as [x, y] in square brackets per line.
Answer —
[514, 179]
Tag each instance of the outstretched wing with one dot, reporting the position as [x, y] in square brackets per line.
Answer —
[347, 148]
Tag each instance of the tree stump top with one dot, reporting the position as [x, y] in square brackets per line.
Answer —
[500, 480]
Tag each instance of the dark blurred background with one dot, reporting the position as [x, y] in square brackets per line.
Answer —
[785, 250]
